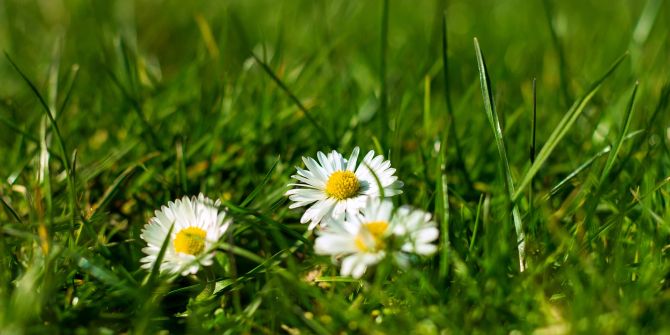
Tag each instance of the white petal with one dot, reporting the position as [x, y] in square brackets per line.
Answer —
[340, 207]
[359, 270]
[351, 163]
[427, 235]
[334, 244]
[315, 168]
[325, 163]
[348, 264]
[306, 195]
[426, 249]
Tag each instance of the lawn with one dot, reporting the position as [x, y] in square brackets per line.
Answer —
[535, 133]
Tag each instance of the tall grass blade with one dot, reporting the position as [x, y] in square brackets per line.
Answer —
[10, 210]
[554, 190]
[562, 128]
[489, 107]
[74, 72]
[260, 186]
[646, 21]
[651, 123]
[181, 166]
[112, 190]
[442, 208]
[426, 105]
[594, 199]
[47, 110]
[59, 139]
[13, 126]
[533, 124]
[320, 130]
[155, 269]
[617, 146]
[477, 220]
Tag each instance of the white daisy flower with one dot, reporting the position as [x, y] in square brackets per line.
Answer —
[198, 225]
[360, 240]
[335, 186]
[364, 239]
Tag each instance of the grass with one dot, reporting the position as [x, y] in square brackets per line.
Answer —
[109, 110]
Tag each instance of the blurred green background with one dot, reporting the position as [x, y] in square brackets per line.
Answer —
[329, 53]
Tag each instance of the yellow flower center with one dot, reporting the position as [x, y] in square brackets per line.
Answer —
[342, 185]
[190, 241]
[376, 230]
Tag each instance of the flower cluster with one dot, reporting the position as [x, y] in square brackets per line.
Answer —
[347, 201]
[357, 224]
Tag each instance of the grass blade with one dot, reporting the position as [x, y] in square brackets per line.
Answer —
[442, 208]
[320, 130]
[426, 105]
[651, 123]
[113, 189]
[103, 274]
[584, 165]
[10, 210]
[489, 107]
[617, 146]
[59, 139]
[594, 199]
[155, 270]
[181, 166]
[74, 71]
[233, 208]
[47, 110]
[646, 21]
[562, 128]
[259, 187]
[14, 127]
[533, 124]
[474, 230]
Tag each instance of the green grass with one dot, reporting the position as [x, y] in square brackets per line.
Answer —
[109, 110]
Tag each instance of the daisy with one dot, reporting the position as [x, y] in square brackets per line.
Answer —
[364, 239]
[198, 225]
[335, 186]
[360, 241]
